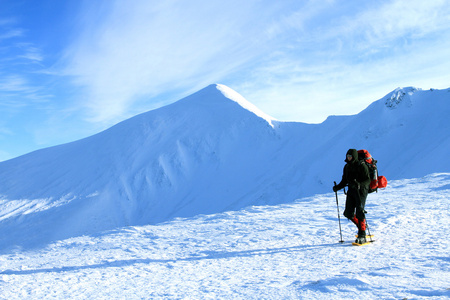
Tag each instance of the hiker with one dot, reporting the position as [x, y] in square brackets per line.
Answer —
[356, 177]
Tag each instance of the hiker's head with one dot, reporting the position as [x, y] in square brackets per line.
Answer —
[352, 155]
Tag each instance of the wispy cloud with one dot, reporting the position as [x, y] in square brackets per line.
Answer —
[384, 22]
[144, 48]
[13, 83]
[30, 53]
[11, 34]
[355, 56]
[20, 60]
[321, 50]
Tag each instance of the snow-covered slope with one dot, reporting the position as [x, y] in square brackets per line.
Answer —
[210, 152]
[288, 251]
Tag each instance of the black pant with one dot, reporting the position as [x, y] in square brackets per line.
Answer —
[355, 203]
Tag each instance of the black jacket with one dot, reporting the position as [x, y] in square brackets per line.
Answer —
[356, 173]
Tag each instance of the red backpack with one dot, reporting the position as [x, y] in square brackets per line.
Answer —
[376, 181]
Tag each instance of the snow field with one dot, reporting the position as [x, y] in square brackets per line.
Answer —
[287, 251]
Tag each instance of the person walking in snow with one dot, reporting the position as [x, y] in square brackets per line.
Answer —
[356, 177]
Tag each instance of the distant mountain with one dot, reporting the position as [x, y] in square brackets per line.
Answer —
[210, 152]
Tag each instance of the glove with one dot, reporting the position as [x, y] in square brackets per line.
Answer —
[335, 188]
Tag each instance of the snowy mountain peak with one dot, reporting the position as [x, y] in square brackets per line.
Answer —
[235, 96]
[215, 94]
[400, 95]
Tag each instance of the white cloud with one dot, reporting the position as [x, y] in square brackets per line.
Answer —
[12, 33]
[145, 48]
[351, 59]
[315, 55]
[383, 23]
[13, 83]
[18, 59]
[31, 53]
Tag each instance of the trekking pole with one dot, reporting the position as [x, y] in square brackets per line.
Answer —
[339, 217]
[368, 230]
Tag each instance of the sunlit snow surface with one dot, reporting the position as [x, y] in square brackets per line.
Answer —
[287, 251]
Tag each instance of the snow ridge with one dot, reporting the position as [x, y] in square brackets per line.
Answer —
[233, 95]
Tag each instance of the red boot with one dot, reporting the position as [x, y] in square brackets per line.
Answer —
[361, 239]
[362, 225]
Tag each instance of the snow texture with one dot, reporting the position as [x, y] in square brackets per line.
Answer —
[286, 251]
[209, 197]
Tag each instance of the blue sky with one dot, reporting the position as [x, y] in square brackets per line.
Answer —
[69, 69]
